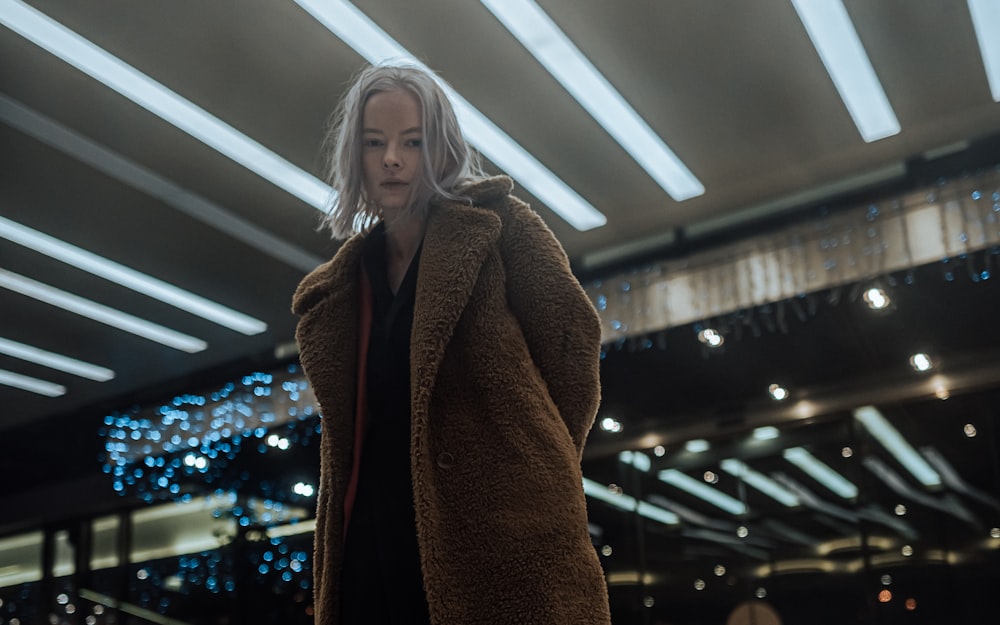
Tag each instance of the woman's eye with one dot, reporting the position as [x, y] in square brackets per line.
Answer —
[415, 143]
[371, 143]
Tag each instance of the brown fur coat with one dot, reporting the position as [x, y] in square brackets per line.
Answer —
[505, 387]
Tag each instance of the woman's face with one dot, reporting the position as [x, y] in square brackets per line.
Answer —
[391, 153]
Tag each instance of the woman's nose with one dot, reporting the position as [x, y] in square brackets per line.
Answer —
[391, 158]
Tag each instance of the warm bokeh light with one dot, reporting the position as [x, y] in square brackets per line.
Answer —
[609, 424]
[846, 452]
[970, 430]
[920, 362]
[777, 392]
[711, 337]
[884, 596]
[876, 298]
[710, 477]
[911, 604]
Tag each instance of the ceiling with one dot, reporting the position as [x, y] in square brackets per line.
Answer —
[736, 90]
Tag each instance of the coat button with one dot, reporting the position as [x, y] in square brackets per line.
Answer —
[446, 460]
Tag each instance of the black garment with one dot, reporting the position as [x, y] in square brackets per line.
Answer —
[381, 581]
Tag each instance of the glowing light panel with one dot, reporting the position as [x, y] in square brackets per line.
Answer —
[702, 491]
[893, 441]
[55, 361]
[833, 35]
[820, 472]
[629, 504]
[760, 481]
[545, 40]
[986, 20]
[33, 385]
[98, 312]
[50, 35]
[129, 278]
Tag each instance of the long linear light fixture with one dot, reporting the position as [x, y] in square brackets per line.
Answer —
[637, 459]
[893, 441]
[553, 49]
[33, 385]
[835, 39]
[986, 20]
[161, 101]
[98, 312]
[760, 481]
[52, 360]
[129, 278]
[628, 503]
[821, 472]
[358, 31]
[143, 179]
[702, 491]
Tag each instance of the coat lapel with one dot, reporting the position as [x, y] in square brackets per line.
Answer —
[327, 336]
[457, 241]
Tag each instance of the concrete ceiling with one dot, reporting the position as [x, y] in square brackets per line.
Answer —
[736, 89]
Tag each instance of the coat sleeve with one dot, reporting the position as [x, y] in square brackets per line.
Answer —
[559, 323]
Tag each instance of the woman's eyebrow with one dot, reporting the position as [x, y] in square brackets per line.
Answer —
[415, 129]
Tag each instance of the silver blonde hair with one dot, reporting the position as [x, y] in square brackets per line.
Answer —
[448, 161]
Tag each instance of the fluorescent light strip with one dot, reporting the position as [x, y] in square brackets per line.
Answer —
[629, 504]
[820, 472]
[637, 459]
[129, 278]
[130, 608]
[893, 441]
[34, 385]
[760, 481]
[55, 361]
[948, 504]
[838, 45]
[552, 48]
[157, 99]
[766, 433]
[702, 491]
[358, 31]
[986, 21]
[953, 480]
[152, 184]
[697, 446]
[98, 312]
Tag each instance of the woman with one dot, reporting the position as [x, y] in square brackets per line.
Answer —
[455, 360]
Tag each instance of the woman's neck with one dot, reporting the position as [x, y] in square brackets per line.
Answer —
[403, 236]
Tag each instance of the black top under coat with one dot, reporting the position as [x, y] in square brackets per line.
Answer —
[381, 582]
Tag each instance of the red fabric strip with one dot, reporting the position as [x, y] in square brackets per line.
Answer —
[361, 404]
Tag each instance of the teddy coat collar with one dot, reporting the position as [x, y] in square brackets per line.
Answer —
[456, 241]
